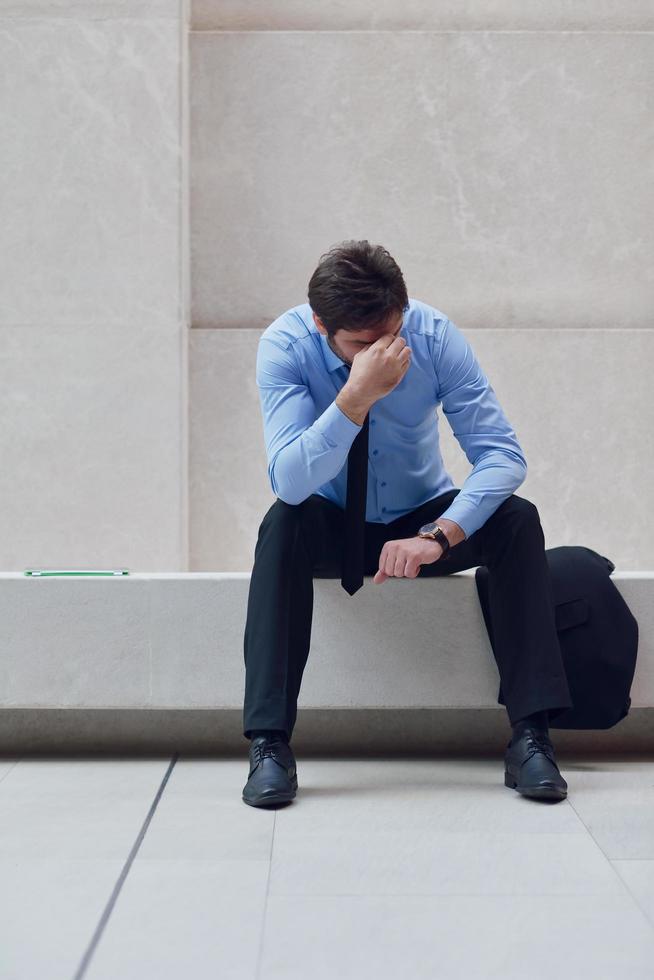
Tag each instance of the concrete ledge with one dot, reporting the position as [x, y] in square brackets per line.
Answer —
[175, 641]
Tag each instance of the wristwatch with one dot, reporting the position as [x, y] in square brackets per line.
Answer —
[436, 533]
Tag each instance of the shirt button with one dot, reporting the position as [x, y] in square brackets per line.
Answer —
[374, 452]
[383, 483]
[383, 508]
[372, 422]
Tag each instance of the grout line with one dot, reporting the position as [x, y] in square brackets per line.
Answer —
[11, 768]
[480, 330]
[184, 275]
[150, 588]
[257, 969]
[411, 30]
[631, 895]
[81, 970]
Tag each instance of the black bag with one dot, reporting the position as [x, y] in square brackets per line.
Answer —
[597, 632]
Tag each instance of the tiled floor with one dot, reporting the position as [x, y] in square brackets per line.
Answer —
[113, 869]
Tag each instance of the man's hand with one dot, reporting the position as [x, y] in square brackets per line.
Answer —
[379, 368]
[403, 558]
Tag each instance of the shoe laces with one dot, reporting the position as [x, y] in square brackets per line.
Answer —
[538, 742]
[265, 748]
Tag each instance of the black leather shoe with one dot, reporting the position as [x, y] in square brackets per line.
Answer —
[273, 773]
[530, 766]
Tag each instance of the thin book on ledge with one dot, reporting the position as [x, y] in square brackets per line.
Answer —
[75, 571]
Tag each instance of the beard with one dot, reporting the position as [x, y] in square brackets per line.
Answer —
[338, 353]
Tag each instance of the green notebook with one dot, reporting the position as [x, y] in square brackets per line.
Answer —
[76, 571]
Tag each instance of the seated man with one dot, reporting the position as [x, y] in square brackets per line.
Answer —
[349, 385]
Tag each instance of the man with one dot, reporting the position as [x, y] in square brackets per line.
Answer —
[349, 384]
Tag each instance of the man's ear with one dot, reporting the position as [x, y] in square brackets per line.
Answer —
[318, 323]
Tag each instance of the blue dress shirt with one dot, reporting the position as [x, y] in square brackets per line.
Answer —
[308, 437]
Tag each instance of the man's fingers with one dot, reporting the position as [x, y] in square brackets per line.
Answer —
[399, 566]
[398, 562]
[390, 563]
[390, 340]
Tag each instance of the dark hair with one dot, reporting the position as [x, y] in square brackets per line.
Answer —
[357, 286]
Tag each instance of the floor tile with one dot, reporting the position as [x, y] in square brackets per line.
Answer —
[615, 801]
[385, 794]
[428, 827]
[201, 815]
[178, 918]
[76, 807]
[359, 862]
[49, 909]
[379, 867]
[456, 938]
[638, 876]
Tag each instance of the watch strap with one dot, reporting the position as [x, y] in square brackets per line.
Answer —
[438, 535]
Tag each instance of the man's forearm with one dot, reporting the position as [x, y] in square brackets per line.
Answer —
[352, 404]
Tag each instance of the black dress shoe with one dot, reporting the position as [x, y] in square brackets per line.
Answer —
[530, 766]
[273, 773]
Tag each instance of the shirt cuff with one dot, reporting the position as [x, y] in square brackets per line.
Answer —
[460, 513]
[336, 427]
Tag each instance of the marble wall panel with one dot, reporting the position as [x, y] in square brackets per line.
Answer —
[94, 294]
[507, 171]
[422, 15]
[91, 160]
[92, 462]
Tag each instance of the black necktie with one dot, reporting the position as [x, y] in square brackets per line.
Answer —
[355, 511]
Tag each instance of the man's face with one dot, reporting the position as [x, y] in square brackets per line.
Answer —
[347, 343]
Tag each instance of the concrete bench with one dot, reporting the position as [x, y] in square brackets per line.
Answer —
[162, 656]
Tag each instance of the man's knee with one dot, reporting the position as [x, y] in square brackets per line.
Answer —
[280, 513]
[284, 515]
[519, 509]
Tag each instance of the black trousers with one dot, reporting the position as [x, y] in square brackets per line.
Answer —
[297, 543]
